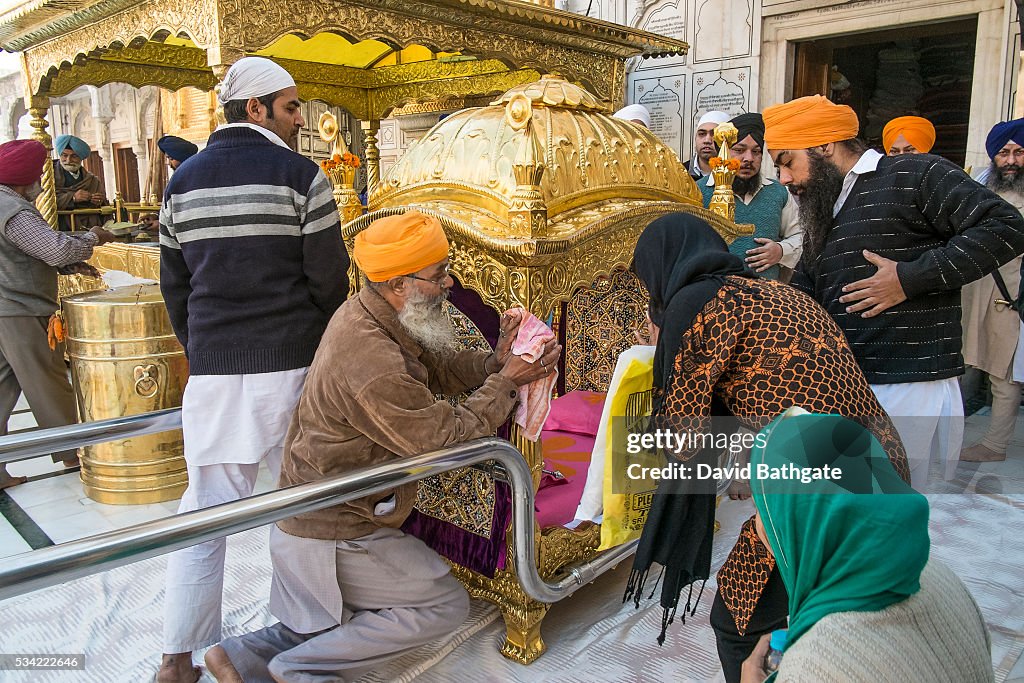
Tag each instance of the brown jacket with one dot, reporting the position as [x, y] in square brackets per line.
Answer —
[368, 399]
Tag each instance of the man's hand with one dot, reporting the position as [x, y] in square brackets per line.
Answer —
[82, 196]
[765, 256]
[102, 236]
[877, 293]
[80, 268]
[97, 199]
[522, 373]
[510, 321]
[753, 668]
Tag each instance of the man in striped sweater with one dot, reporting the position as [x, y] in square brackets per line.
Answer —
[888, 243]
[252, 266]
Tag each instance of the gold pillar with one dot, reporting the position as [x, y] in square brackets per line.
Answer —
[370, 129]
[47, 200]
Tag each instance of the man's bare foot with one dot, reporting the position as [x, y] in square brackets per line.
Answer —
[178, 668]
[981, 453]
[219, 664]
[739, 490]
[71, 462]
[7, 481]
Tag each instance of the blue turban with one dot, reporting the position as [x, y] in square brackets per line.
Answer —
[1001, 133]
[77, 146]
[176, 148]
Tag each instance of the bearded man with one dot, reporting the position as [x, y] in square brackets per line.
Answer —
[76, 187]
[888, 243]
[350, 588]
[992, 330]
[778, 237]
[704, 146]
[31, 256]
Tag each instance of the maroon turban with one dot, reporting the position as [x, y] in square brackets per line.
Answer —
[21, 162]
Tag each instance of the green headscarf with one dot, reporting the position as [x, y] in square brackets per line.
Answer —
[856, 544]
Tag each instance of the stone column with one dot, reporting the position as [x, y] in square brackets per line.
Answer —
[47, 200]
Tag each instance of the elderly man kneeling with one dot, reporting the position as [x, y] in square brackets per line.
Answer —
[351, 590]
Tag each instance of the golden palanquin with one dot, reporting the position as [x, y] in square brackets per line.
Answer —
[543, 196]
[369, 57]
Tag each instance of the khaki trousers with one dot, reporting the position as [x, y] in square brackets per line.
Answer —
[1005, 407]
[28, 365]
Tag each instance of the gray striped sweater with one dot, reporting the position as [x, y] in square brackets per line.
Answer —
[252, 264]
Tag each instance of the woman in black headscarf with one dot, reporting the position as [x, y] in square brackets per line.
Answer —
[732, 345]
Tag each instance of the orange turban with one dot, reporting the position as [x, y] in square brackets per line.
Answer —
[918, 132]
[808, 122]
[400, 245]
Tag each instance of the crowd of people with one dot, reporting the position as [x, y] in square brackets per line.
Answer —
[845, 302]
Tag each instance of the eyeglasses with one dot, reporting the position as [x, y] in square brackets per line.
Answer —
[438, 281]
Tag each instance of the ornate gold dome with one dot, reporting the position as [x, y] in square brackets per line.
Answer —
[551, 135]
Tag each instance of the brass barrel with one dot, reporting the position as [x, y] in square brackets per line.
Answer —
[125, 360]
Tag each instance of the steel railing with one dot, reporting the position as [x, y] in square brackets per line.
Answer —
[53, 565]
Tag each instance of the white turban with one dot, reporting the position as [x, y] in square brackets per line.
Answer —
[635, 112]
[253, 77]
[716, 117]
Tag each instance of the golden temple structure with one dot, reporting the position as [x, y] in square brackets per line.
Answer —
[542, 194]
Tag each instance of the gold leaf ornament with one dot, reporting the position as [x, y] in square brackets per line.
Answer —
[518, 111]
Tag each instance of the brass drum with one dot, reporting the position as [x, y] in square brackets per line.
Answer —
[125, 360]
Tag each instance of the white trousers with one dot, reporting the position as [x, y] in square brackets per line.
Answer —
[929, 417]
[195, 575]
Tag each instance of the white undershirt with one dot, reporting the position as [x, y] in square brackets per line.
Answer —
[867, 163]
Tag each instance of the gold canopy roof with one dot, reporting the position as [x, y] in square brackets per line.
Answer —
[540, 192]
[366, 57]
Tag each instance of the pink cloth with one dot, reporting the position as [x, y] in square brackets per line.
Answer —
[535, 397]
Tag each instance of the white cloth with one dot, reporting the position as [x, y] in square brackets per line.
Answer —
[265, 132]
[867, 163]
[253, 77]
[230, 424]
[195, 575]
[929, 417]
[635, 112]
[591, 507]
[714, 116]
[238, 418]
[1018, 357]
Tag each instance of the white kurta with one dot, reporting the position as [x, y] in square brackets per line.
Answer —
[231, 423]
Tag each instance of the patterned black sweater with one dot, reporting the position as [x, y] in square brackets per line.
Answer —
[945, 230]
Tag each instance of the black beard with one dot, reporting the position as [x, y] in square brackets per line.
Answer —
[741, 187]
[816, 204]
[998, 183]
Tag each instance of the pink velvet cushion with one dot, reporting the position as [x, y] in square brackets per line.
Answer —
[578, 412]
[568, 454]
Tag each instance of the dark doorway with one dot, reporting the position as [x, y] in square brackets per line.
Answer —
[93, 164]
[126, 169]
[917, 70]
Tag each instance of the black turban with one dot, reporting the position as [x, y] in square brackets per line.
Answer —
[749, 124]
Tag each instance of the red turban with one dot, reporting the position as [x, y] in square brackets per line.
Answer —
[808, 122]
[400, 245]
[915, 130]
[21, 162]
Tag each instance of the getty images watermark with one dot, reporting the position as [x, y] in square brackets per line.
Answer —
[686, 442]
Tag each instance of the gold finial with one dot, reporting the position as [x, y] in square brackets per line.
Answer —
[723, 169]
[330, 132]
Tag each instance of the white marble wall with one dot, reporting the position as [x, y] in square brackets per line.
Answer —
[742, 51]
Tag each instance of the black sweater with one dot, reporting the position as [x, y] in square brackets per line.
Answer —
[252, 264]
[945, 230]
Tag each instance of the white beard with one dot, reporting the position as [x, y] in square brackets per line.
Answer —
[73, 169]
[425, 321]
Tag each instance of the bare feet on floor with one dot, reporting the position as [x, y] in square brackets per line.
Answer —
[72, 462]
[219, 664]
[981, 453]
[178, 668]
[7, 480]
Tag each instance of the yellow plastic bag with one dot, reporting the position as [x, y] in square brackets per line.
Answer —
[627, 501]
